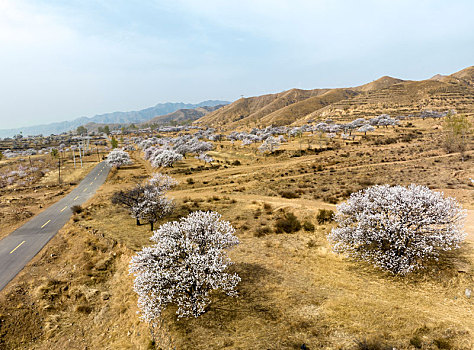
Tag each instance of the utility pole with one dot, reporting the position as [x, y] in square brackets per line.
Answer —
[98, 156]
[74, 158]
[80, 155]
[59, 168]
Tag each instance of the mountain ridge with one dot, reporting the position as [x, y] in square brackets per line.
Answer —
[384, 95]
[109, 118]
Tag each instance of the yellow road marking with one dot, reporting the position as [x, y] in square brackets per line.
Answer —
[85, 189]
[76, 198]
[17, 247]
[63, 209]
[92, 183]
[47, 222]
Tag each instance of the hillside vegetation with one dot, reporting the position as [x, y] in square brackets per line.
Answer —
[294, 290]
[385, 95]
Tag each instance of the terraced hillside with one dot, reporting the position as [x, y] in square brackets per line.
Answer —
[385, 95]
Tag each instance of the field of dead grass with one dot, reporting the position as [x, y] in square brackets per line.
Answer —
[18, 203]
[77, 294]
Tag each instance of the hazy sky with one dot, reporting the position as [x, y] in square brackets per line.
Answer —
[60, 60]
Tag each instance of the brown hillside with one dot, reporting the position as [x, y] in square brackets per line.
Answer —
[237, 110]
[290, 114]
[466, 75]
[385, 95]
[182, 115]
[402, 99]
[463, 77]
[378, 84]
[249, 111]
[286, 99]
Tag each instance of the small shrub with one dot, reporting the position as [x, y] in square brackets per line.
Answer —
[366, 182]
[325, 216]
[263, 231]
[308, 226]
[257, 213]
[372, 345]
[289, 194]
[236, 162]
[416, 342]
[330, 199]
[85, 309]
[190, 180]
[289, 223]
[76, 209]
[268, 208]
[408, 137]
[443, 344]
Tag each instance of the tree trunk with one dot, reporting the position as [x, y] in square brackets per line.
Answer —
[151, 225]
[138, 222]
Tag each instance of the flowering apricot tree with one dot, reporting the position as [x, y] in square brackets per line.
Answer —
[165, 158]
[397, 228]
[187, 262]
[118, 157]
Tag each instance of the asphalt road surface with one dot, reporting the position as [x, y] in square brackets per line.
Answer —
[20, 246]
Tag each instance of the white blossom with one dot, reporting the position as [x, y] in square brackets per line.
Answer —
[118, 157]
[366, 128]
[165, 158]
[397, 228]
[153, 205]
[147, 201]
[163, 182]
[206, 158]
[270, 144]
[187, 262]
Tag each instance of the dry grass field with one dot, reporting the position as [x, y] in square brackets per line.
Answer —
[21, 199]
[77, 294]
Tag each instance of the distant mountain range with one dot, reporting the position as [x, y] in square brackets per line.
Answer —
[384, 95]
[140, 116]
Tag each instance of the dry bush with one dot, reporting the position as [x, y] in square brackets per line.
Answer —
[308, 226]
[268, 208]
[325, 216]
[263, 231]
[288, 223]
[20, 213]
[289, 194]
[76, 209]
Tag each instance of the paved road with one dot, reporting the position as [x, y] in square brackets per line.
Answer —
[18, 248]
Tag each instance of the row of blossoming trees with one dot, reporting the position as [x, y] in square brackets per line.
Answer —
[188, 258]
[163, 152]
